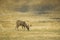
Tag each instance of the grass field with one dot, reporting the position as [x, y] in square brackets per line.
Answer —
[38, 31]
[42, 15]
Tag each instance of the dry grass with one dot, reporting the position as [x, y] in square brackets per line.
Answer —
[38, 31]
[41, 29]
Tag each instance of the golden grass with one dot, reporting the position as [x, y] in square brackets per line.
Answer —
[40, 30]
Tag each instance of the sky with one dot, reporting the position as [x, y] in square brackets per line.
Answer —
[30, 5]
[38, 7]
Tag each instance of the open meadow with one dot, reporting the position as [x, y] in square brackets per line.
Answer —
[42, 17]
[40, 30]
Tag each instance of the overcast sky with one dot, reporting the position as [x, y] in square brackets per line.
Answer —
[39, 7]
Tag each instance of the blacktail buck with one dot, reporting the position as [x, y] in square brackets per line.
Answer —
[23, 24]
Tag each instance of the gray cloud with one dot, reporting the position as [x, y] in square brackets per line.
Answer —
[27, 5]
[44, 9]
[23, 8]
[37, 8]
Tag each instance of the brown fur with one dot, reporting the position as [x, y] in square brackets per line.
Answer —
[22, 23]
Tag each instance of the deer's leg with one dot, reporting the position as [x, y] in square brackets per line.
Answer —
[17, 26]
[27, 28]
[23, 27]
